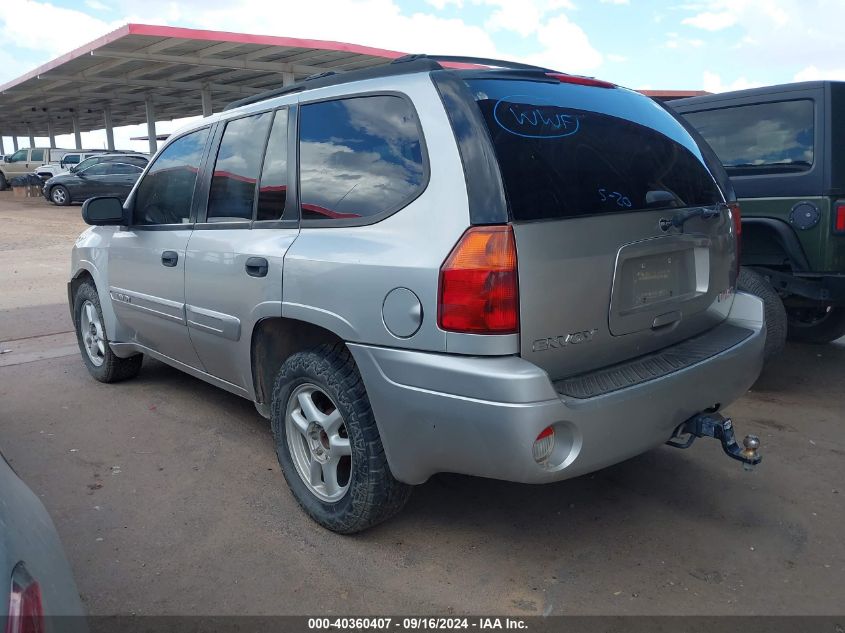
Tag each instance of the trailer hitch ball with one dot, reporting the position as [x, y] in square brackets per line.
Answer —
[752, 445]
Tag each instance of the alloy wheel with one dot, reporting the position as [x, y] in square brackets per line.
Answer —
[318, 442]
[93, 335]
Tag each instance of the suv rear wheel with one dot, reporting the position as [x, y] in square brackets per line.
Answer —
[821, 324]
[328, 444]
[100, 360]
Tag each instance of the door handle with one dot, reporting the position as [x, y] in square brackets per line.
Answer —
[256, 267]
[169, 258]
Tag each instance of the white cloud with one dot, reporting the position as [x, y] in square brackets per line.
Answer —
[442, 4]
[567, 47]
[812, 73]
[712, 82]
[711, 21]
[57, 30]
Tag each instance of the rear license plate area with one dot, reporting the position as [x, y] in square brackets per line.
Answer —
[656, 279]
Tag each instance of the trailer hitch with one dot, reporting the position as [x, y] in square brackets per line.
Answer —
[721, 428]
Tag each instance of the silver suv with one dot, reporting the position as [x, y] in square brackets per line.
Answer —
[504, 272]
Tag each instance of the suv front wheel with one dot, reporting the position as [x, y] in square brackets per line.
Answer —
[328, 444]
[93, 342]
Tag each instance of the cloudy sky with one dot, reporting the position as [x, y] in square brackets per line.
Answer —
[714, 45]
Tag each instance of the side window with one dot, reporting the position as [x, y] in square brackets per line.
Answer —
[764, 138]
[19, 156]
[97, 170]
[164, 195]
[122, 169]
[37, 156]
[85, 164]
[236, 169]
[273, 189]
[70, 159]
[359, 157]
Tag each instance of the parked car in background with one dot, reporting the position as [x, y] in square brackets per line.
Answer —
[26, 161]
[76, 160]
[107, 178]
[508, 273]
[784, 149]
[37, 582]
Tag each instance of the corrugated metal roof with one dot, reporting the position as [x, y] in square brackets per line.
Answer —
[170, 65]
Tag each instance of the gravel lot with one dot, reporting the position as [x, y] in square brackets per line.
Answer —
[169, 500]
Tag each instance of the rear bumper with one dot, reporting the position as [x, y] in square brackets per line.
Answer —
[480, 415]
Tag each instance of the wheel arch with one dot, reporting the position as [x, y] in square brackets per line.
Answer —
[87, 271]
[274, 340]
[764, 240]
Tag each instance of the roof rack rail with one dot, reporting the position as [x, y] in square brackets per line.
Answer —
[477, 61]
[332, 78]
[400, 66]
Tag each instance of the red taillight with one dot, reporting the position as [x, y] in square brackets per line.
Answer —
[581, 81]
[26, 613]
[736, 215]
[478, 283]
[839, 217]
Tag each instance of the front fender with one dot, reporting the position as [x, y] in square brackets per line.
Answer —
[90, 255]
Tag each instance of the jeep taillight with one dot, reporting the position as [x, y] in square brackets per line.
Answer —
[736, 216]
[479, 292]
[26, 613]
[839, 217]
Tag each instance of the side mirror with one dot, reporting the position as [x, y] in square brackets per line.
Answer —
[7, 159]
[103, 211]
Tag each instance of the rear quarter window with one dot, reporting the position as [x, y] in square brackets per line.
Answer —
[360, 157]
[567, 151]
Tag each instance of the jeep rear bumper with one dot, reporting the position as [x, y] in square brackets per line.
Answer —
[480, 416]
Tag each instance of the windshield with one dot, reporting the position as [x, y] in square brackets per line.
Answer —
[567, 150]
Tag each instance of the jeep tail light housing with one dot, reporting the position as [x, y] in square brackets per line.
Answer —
[479, 292]
[26, 612]
[839, 217]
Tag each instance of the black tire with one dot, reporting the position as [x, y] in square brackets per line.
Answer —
[754, 283]
[818, 325]
[3, 183]
[112, 368]
[373, 494]
[61, 192]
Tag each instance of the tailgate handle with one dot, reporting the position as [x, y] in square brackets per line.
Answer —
[666, 319]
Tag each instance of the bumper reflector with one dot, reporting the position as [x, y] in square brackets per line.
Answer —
[544, 445]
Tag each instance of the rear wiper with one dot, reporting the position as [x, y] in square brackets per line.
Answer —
[704, 213]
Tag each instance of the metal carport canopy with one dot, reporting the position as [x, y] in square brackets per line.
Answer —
[141, 72]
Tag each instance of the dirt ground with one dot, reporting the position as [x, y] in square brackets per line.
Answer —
[169, 500]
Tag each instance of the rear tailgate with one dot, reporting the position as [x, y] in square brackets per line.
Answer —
[594, 179]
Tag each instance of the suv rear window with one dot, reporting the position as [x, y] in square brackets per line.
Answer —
[567, 151]
[764, 138]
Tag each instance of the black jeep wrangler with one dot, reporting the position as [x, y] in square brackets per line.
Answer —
[784, 149]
